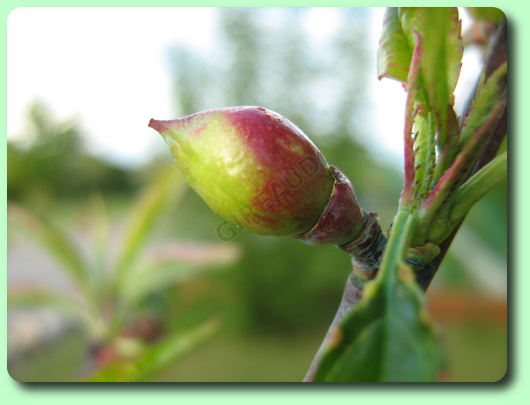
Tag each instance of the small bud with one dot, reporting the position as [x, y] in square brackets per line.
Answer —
[251, 166]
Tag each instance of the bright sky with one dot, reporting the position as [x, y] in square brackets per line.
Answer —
[106, 67]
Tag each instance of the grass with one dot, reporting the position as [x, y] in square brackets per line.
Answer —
[475, 352]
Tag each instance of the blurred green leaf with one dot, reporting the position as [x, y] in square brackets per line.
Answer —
[156, 357]
[440, 29]
[394, 52]
[99, 223]
[490, 14]
[175, 264]
[386, 336]
[34, 298]
[143, 216]
[56, 242]
[163, 354]
[114, 372]
[196, 253]
[503, 146]
[152, 279]
[38, 298]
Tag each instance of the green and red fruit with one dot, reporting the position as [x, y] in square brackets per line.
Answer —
[252, 166]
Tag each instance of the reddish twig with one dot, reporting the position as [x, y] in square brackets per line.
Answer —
[409, 168]
[352, 293]
[451, 142]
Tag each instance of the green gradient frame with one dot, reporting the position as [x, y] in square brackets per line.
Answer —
[512, 389]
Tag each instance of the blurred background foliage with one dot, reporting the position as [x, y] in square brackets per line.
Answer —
[274, 303]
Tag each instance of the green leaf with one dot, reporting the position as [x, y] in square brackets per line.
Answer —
[386, 339]
[196, 253]
[154, 278]
[387, 335]
[147, 210]
[476, 187]
[488, 94]
[37, 298]
[440, 30]
[100, 231]
[467, 195]
[425, 156]
[157, 357]
[165, 353]
[394, 52]
[176, 263]
[503, 146]
[56, 242]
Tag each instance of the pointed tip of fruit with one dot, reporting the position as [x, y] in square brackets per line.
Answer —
[157, 125]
